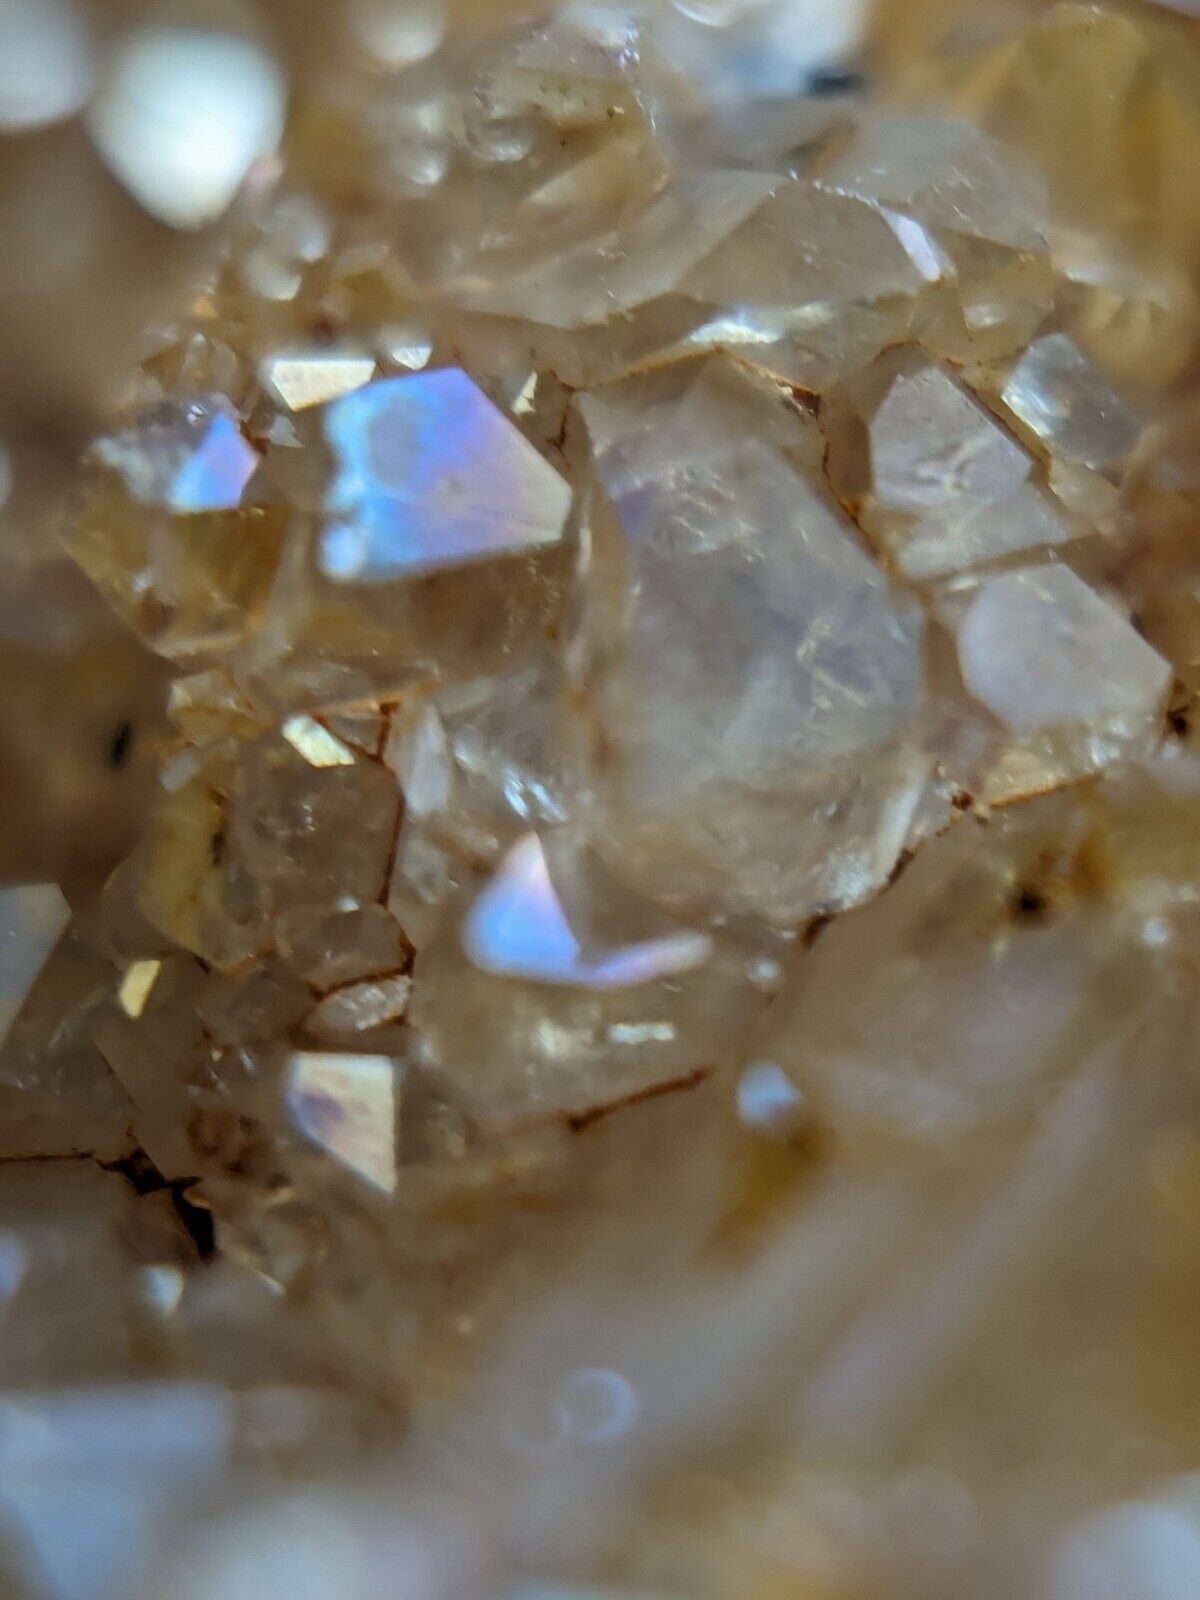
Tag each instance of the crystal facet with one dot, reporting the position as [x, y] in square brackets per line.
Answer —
[429, 476]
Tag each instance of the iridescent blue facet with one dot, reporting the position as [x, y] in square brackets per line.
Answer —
[429, 474]
[189, 456]
[518, 928]
[215, 475]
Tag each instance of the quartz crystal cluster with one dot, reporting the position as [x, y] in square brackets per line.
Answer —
[675, 595]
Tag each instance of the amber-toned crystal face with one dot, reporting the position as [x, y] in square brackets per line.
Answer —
[646, 1045]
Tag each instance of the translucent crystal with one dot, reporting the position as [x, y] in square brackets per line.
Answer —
[1062, 670]
[32, 921]
[348, 1105]
[259, 1004]
[312, 835]
[166, 527]
[359, 1007]
[430, 475]
[807, 279]
[315, 377]
[765, 669]
[182, 115]
[936, 479]
[643, 531]
[332, 946]
[984, 208]
[481, 762]
[519, 928]
[1061, 398]
[188, 458]
[573, 994]
[57, 1095]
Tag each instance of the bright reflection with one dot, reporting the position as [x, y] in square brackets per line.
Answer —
[767, 1099]
[1147, 1550]
[395, 33]
[518, 928]
[316, 744]
[600, 1405]
[191, 457]
[45, 65]
[312, 378]
[346, 1104]
[183, 114]
[431, 475]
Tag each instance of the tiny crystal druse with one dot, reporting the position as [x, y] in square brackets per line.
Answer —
[679, 598]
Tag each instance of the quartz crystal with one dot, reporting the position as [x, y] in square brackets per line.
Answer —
[31, 922]
[647, 1043]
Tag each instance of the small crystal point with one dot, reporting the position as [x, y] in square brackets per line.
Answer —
[431, 475]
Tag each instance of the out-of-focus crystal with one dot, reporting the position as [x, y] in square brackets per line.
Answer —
[971, 986]
[316, 744]
[359, 1007]
[315, 377]
[181, 116]
[45, 63]
[984, 208]
[1120, 148]
[137, 985]
[32, 920]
